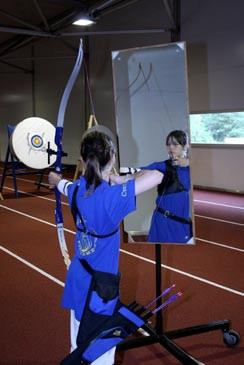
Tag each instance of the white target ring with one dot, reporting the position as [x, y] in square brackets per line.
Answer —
[29, 142]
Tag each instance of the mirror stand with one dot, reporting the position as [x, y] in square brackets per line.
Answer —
[157, 335]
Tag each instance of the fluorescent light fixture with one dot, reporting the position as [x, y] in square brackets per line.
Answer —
[84, 20]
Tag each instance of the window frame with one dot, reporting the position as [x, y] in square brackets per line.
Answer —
[215, 145]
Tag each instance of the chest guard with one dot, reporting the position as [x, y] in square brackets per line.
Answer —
[76, 213]
[171, 183]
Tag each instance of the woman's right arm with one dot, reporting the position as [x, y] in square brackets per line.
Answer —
[146, 180]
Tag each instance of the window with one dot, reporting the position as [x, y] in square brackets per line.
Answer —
[217, 128]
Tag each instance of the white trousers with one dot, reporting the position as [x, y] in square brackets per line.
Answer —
[105, 359]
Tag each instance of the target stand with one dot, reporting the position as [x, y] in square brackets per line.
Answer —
[27, 151]
[157, 335]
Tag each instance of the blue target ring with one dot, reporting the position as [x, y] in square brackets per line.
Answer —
[36, 141]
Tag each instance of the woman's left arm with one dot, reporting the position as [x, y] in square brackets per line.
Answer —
[55, 180]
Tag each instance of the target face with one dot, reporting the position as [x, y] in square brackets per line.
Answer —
[29, 142]
[36, 141]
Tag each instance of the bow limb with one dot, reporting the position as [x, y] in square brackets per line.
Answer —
[58, 141]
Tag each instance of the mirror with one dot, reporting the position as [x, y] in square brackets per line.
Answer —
[151, 101]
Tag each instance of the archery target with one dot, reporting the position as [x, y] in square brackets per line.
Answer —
[29, 142]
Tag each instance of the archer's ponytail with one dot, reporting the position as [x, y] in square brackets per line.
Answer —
[92, 173]
[97, 150]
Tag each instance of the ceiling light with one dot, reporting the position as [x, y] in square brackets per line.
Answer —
[84, 20]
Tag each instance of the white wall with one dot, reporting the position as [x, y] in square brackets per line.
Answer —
[15, 98]
[213, 30]
[218, 167]
[214, 34]
[53, 65]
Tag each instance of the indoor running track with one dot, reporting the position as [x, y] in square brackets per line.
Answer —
[210, 275]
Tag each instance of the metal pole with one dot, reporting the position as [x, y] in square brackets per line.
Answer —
[33, 81]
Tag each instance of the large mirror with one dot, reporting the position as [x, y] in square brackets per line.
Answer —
[151, 105]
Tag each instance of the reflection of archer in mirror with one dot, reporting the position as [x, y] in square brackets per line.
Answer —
[171, 222]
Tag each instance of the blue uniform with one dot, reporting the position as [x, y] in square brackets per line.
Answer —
[165, 229]
[102, 212]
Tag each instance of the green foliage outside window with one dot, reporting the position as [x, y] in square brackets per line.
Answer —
[225, 128]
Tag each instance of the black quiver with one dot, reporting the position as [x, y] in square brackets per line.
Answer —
[105, 321]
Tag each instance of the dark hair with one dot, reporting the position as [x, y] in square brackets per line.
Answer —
[180, 136]
[96, 151]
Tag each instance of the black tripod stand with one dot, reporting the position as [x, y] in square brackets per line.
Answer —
[165, 339]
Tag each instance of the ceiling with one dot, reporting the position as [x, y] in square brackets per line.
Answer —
[25, 22]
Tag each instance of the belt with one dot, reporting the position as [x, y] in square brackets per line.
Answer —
[166, 213]
[83, 230]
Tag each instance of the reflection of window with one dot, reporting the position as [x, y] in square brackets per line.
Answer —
[224, 128]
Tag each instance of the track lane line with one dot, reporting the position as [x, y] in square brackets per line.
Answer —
[33, 267]
[73, 232]
[34, 218]
[194, 200]
[36, 196]
[198, 278]
[63, 203]
[220, 244]
[218, 204]
[219, 220]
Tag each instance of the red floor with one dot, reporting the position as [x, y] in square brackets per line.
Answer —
[210, 275]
